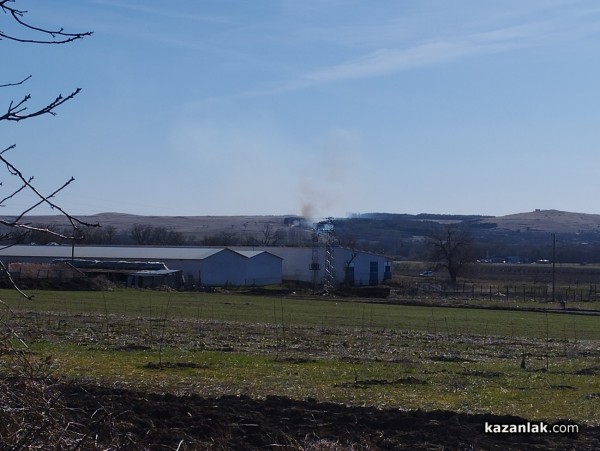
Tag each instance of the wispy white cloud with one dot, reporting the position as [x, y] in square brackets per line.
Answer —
[385, 61]
[445, 50]
[166, 11]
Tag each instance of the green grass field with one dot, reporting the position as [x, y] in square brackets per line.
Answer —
[361, 353]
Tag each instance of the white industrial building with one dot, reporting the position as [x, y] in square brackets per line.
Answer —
[363, 268]
[199, 265]
[225, 266]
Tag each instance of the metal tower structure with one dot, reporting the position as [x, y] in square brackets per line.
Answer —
[314, 264]
[329, 276]
[325, 229]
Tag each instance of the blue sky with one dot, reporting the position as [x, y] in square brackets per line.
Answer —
[322, 107]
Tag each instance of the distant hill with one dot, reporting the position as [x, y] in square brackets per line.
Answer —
[401, 236]
[538, 220]
[184, 224]
[548, 221]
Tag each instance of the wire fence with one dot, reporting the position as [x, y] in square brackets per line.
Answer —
[503, 291]
[43, 271]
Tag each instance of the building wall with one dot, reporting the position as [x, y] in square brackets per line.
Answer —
[264, 269]
[297, 261]
[189, 268]
[223, 268]
[369, 269]
[220, 266]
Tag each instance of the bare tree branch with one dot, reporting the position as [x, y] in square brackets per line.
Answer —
[2, 202]
[15, 111]
[49, 36]
[17, 83]
[19, 110]
[43, 199]
[6, 272]
[44, 230]
[12, 146]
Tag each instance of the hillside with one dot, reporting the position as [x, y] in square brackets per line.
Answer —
[184, 224]
[400, 236]
[538, 220]
[548, 221]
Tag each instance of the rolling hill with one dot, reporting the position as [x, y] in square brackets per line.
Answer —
[400, 236]
[538, 220]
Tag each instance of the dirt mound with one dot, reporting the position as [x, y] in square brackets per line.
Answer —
[126, 419]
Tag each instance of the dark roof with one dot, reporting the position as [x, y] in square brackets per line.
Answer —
[112, 264]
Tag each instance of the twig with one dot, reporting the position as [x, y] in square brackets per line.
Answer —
[55, 36]
[12, 282]
[17, 83]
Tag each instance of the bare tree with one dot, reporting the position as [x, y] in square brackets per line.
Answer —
[110, 232]
[270, 236]
[348, 276]
[451, 248]
[226, 238]
[175, 238]
[45, 429]
[20, 110]
[141, 233]
[146, 234]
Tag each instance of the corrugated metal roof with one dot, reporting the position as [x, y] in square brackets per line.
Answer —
[156, 272]
[248, 254]
[112, 264]
[123, 252]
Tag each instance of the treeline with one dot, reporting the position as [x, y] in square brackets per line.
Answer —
[401, 237]
[150, 235]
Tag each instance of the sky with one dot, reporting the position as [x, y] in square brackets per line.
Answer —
[314, 107]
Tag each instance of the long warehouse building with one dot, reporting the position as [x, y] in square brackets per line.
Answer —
[218, 266]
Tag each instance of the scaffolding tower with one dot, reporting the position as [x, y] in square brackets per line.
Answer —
[329, 278]
[314, 264]
[325, 229]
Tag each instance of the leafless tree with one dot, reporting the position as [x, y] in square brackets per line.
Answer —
[146, 234]
[175, 238]
[46, 430]
[270, 236]
[110, 232]
[22, 31]
[347, 268]
[141, 233]
[104, 235]
[451, 248]
[227, 238]
[351, 243]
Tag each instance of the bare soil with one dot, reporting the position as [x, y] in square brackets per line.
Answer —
[97, 417]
